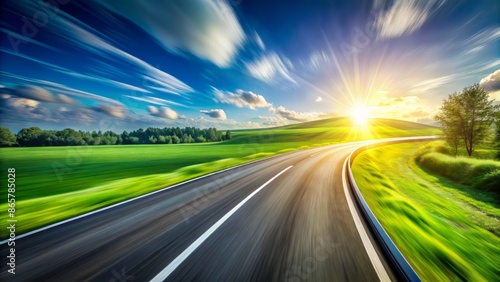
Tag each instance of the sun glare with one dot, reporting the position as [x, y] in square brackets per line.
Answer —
[360, 114]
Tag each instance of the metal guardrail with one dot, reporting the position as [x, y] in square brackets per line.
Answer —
[401, 266]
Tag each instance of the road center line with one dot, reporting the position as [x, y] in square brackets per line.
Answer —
[179, 259]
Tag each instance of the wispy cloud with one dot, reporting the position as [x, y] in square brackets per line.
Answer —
[61, 89]
[69, 72]
[16, 40]
[207, 29]
[317, 59]
[259, 41]
[484, 36]
[432, 83]
[270, 67]
[76, 33]
[155, 100]
[106, 81]
[403, 16]
[241, 99]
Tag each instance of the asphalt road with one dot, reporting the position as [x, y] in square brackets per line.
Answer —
[286, 218]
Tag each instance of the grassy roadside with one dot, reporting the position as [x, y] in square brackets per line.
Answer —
[445, 233]
[55, 183]
[479, 174]
[34, 210]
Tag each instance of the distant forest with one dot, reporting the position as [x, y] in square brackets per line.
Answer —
[34, 136]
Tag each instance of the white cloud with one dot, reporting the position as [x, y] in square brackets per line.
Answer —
[66, 100]
[22, 103]
[34, 93]
[491, 83]
[269, 67]
[241, 99]
[40, 94]
[404, 16]
[295, 116]
[207, 29]
[112, 110]
[163, 112]
[215, 113]
[319, 99]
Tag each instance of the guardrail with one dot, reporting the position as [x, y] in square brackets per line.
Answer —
[401, 266]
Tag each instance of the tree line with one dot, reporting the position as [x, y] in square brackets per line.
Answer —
[34, 136]
[467, 118]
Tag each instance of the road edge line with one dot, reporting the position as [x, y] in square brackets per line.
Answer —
[370, 250]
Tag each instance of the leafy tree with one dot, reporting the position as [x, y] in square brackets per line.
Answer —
[29, 136]
[176, 140]
[7, 138]
[467, 117]
[450, 122]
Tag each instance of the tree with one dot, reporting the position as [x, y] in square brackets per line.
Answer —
[7, 138]
[29, 136]
[467, 117]
[176, 140]
[448, 117]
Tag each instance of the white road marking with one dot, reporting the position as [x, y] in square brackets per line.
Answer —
[179, 259]
[372, 254]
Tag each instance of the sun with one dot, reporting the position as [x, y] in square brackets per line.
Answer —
[360, 114]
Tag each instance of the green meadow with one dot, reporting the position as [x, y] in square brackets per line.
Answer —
[442, 212]
[55, 183]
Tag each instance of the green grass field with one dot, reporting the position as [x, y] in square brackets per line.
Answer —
[447, 230]
[54, 183]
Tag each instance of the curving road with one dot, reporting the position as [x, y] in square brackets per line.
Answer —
[286, 218]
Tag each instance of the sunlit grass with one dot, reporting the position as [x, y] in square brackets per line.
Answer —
[444, 232]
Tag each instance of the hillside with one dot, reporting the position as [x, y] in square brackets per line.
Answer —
[333, 130]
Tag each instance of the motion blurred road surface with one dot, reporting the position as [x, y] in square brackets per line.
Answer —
[297, 227]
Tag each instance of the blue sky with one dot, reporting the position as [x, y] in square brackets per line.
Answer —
[107, 65]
